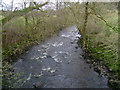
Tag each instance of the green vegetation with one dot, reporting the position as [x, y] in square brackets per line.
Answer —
[16, 37]
[102, 42]
[101, 38]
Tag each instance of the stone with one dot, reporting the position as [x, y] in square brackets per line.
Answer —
[48, 56]
[76, 47]
[38, 85]
[110, 70]
[88, 61]
[72, 42]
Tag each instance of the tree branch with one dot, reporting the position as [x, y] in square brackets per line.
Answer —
[21, 12]
[100, 17]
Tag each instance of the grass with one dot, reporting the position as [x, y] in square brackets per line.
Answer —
[103, 44]
[1, 17]
[17, 38]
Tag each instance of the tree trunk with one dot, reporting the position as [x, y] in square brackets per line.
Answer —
[26, 17]
[85, 25]
[57, 5]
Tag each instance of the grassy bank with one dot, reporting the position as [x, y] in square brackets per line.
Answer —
[17, 38]
[102, 42]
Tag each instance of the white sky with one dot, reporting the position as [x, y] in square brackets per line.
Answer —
[17, 3]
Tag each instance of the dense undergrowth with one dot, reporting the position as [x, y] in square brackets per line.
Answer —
[102, 43]
[17, 38]
[103, 46]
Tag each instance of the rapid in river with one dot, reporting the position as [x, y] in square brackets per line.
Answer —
[57, 63]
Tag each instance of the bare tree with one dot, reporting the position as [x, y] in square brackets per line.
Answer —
[85, 25]
[12, 4]
[57, 4]
[26, 16]
[22, 12]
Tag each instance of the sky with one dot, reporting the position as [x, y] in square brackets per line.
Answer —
[17, 3]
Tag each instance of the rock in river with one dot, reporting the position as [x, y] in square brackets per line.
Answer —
[38, 85]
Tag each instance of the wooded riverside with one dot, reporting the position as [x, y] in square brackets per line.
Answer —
[33, 23]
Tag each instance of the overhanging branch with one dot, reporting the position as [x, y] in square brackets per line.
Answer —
[22, 12]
